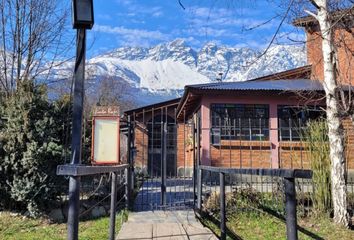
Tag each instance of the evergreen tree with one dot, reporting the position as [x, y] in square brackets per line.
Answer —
[32, 147]
[4, 193]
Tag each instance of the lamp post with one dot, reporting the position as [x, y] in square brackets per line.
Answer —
[82, 16]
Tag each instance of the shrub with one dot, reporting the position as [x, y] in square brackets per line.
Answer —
[238, 199]
[32, 149]
[318, 147]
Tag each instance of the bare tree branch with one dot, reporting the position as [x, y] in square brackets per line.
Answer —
[274, 35]
[182, 6]
[314, 4]
[262, 24]
[310, 13]
[31, 37]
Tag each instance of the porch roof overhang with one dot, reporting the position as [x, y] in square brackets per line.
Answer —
[193, 93]
[190, 101]
[155, 106]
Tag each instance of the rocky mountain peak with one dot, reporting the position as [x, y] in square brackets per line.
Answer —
[168, 67]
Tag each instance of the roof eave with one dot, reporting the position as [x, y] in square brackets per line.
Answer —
[159, 104]
[183, 100]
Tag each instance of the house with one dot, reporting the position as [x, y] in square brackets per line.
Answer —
[251, 124]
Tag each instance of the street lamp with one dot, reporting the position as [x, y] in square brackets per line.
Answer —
[82, 14]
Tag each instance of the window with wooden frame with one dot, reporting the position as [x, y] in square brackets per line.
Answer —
[292, 120]
[248, 122]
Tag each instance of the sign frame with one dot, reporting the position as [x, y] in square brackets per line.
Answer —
[105, 116]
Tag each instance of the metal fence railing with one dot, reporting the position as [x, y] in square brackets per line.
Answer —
[225, 192]
[120, 176]
[223, 181]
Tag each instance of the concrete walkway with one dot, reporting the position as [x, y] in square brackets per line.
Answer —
[176, 225]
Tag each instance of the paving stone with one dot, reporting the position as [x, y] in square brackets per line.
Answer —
[162, 225]
[135, 231]
[164, 231]
[197, 231]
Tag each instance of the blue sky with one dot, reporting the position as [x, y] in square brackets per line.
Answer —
[149, 22]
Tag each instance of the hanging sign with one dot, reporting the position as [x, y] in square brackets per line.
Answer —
[105, 135]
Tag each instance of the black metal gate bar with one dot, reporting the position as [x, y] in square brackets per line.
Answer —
[143, 154]
[184, 156]
[166, 185]
[152, 143]
[222, 206]
[163, 160]
[162, 156]
[129, 159]
[112, 225]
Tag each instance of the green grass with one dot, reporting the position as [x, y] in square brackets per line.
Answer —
[254, 226]
[19, 228]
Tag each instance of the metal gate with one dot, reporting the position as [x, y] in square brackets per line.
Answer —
[163, 180]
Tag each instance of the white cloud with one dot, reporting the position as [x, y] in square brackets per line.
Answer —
[211, 32]
[133, 36]
[204, 12]
[124, 2]
[134, 8]
[195, 43]
[104, 16]
[202, 17]
[157, 14]
[252, 44]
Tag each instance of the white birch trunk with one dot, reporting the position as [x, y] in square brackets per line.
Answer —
[335, 128]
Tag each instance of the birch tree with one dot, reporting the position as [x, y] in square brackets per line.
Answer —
[335, 128]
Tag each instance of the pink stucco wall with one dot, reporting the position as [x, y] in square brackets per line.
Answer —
[205, 132]
[272, 99]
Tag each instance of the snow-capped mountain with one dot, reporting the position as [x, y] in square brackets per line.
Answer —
[165, 69]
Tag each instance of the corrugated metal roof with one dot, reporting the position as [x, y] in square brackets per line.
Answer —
[155, 105]
[272, 85]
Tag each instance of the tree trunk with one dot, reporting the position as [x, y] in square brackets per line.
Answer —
[335, 128]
